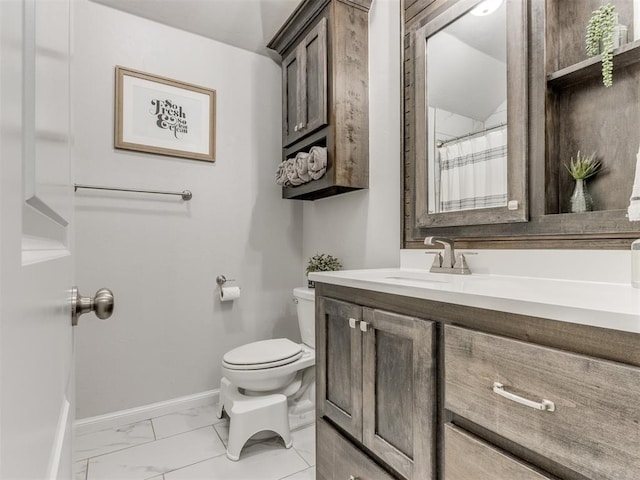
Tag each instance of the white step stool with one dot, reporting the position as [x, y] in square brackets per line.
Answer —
[250, 415]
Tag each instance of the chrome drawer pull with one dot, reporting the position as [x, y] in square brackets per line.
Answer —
[547, 405]
[353, 323]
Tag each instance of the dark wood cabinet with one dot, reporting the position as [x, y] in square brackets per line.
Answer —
[376, 383]
[325, 93]
[403, 397]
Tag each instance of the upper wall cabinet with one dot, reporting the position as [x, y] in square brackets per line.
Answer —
[455, 130]
[325, 95]
[304, 86]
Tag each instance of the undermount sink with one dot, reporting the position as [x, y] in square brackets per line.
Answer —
[422, 279]
[399, 276]
[417, 279]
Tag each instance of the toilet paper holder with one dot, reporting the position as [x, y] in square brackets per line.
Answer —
[221, 280]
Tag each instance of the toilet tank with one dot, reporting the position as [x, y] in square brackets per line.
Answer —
[305, 303]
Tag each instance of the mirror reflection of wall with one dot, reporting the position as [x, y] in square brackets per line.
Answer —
[467, 111]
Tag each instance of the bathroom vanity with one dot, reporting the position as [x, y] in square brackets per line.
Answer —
[435, 376]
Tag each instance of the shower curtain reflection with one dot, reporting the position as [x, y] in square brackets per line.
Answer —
[471, 172]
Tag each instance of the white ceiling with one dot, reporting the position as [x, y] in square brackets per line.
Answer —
[247, 24]
[467, 65]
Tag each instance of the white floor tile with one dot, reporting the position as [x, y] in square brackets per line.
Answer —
[304, 441]
[80, 470]
[262, 461]
[155, 458]
[105, 441]
[308, 474]
[185, 420]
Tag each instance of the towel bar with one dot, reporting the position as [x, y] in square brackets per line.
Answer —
[185, 194]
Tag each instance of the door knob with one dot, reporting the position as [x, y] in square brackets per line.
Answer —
[101, 304]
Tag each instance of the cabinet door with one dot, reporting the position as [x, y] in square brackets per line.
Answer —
[291, 93]
[339, 364]
[313, 105]
[339, 459]
[399, 392]
[304, 86]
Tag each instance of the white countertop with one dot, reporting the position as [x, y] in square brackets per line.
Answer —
[608, 305]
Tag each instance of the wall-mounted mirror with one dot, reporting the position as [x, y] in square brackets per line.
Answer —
[471, 116]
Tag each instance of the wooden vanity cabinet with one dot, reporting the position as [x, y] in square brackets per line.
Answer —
[325, 92]
[376, 384]
[407, 398]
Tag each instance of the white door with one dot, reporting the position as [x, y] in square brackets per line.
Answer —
[36, 241]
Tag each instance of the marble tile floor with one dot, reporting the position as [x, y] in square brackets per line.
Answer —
[190, 445]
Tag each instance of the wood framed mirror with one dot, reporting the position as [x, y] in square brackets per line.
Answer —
[470, 84]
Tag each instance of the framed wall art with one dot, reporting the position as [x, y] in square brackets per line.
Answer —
[163, 116]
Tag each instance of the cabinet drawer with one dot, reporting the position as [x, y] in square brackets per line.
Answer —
[467, 457]
[594, 425]
[338, 459]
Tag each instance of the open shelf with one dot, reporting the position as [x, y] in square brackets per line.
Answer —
[624, 56]
[326, 186]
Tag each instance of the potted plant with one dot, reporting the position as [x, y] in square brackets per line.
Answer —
[322, 262]
[600, 39]
[583, 167]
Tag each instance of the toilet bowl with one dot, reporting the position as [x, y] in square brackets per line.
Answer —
[266, 366]
[259, 376]
[271, 365]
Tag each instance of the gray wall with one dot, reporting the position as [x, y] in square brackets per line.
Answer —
[161, 255]
[363, 228]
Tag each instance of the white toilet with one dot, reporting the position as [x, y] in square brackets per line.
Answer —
[270, 384]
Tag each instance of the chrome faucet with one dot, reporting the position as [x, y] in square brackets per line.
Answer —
[447, 262]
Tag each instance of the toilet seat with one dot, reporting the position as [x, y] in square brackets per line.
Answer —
[263, 355]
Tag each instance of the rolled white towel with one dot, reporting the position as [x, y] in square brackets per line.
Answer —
[281, 174]
[302, 166]
[292, 173]
[317, 162]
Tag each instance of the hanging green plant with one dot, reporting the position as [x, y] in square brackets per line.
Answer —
[599, 35]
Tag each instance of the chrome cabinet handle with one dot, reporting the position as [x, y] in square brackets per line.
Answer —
[353, 477]
[101, 304]
[547, 405]
[363, 326]
[295, 129]
[353, 323]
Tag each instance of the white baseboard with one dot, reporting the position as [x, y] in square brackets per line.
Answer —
[145, 412]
